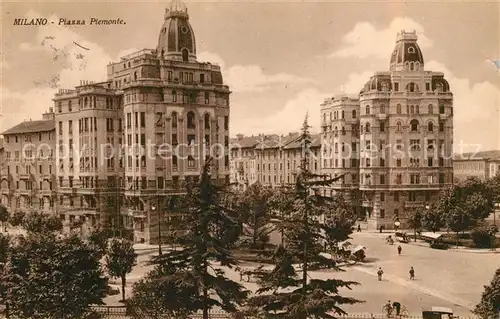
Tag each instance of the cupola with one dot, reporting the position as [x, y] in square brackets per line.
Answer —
[407, 55]
[176, 40]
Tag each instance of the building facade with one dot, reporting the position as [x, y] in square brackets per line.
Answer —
[400, 137]
[128, 145]
[27, 166]
[483, 165]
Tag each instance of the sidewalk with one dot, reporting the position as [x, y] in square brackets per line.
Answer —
[457, 249]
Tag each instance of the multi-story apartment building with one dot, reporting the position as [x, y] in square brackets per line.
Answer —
[483, 165]
[405, 136]
[27, 170]
[128, 145]
[340, 145]
[271, 160]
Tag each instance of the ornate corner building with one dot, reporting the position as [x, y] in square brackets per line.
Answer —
[126, 147]
[394, 142]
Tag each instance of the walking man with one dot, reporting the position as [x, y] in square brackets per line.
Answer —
[412, 273]
[380, 272]
[399, 249]
[359, 228]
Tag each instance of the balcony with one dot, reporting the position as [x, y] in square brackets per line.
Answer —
[381, 116]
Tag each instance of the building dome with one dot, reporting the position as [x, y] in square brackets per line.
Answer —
[176, 40]
[407, 52]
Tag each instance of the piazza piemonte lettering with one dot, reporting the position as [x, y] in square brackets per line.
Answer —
[66, 21]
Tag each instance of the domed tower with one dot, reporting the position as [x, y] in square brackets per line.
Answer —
[176, 40]
[407, 55]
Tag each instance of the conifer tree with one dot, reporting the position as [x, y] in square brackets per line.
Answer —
[286, 292]
[204, 249]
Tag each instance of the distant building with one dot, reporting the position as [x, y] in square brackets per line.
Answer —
[27, 166]
[272, 160]
[483, 165]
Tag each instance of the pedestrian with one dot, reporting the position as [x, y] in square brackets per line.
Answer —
[380, 272]
[412, 273]
[397, 306]
[399, 249]
[359, 228]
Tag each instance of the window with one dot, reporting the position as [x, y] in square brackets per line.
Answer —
[136, 118]
[191, 139]
[441, 178]
[414, 179]
[207, 121]
[441, 161]
[382, 179]
[69, 106]
[191, 162]
[430, 127]
[367, 110]
[430, 161]
[441, 108]
[398, 109]
[399, 144]
[382, 162]
[396, 86]
[226, 122]
[353, 146]
[343, 114]
[169, 76]
[414, 125]
[430, 109]
[143, 119]
[382, 197]
[367, 128]
[367, 144]
[207, 97]
[382, 108]
[174, 161]
[417, 109]
[382, 213]
[415, 145]
[353, 114]
[441, 126]
[430, 144]
[59, 107]
[190, 120]
[399, 179]
[396, 197]
[427, 86]
[382, 126]
[398, 162]
[174, 96]
[368, 162]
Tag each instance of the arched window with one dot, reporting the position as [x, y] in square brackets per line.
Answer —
[411, 86]
[190, 120]
[185, 55]
[353, 114]
[430, 109]
[207, 121]
[430, 127]
[85, 101]
[398, 109]
[398, 126]
[135, 76]
[174, 96]
[414, 125]
[174, 119]
[367, 109]
[330, 116]
[336, 131]
[129, 64]
[324, 118]
[367, 130]
[412, 108]
[411, 68]
[343, 115]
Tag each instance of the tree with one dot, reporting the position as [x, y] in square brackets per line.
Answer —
[458, 220]
[210, 232]
[414, 219]
[254, 206]
[51, 277]
[282, 202]
[4, 214]
[489, 306]
[493, 185]
[39, 223]
[120, 259]
[340, 219]
[432, 220]
[17, 218]
[284, 292]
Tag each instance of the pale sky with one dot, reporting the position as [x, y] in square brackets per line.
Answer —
[280, 59]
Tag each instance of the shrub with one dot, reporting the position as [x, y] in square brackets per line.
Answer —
[481, 237]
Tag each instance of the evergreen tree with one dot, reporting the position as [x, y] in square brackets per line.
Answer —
[285, 292]
[489, 306]
[209, 234]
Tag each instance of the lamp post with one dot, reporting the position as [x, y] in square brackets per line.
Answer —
[153, 209]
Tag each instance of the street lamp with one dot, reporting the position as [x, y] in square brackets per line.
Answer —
[153, 209]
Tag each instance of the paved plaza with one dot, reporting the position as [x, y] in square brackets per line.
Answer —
[450, 278]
